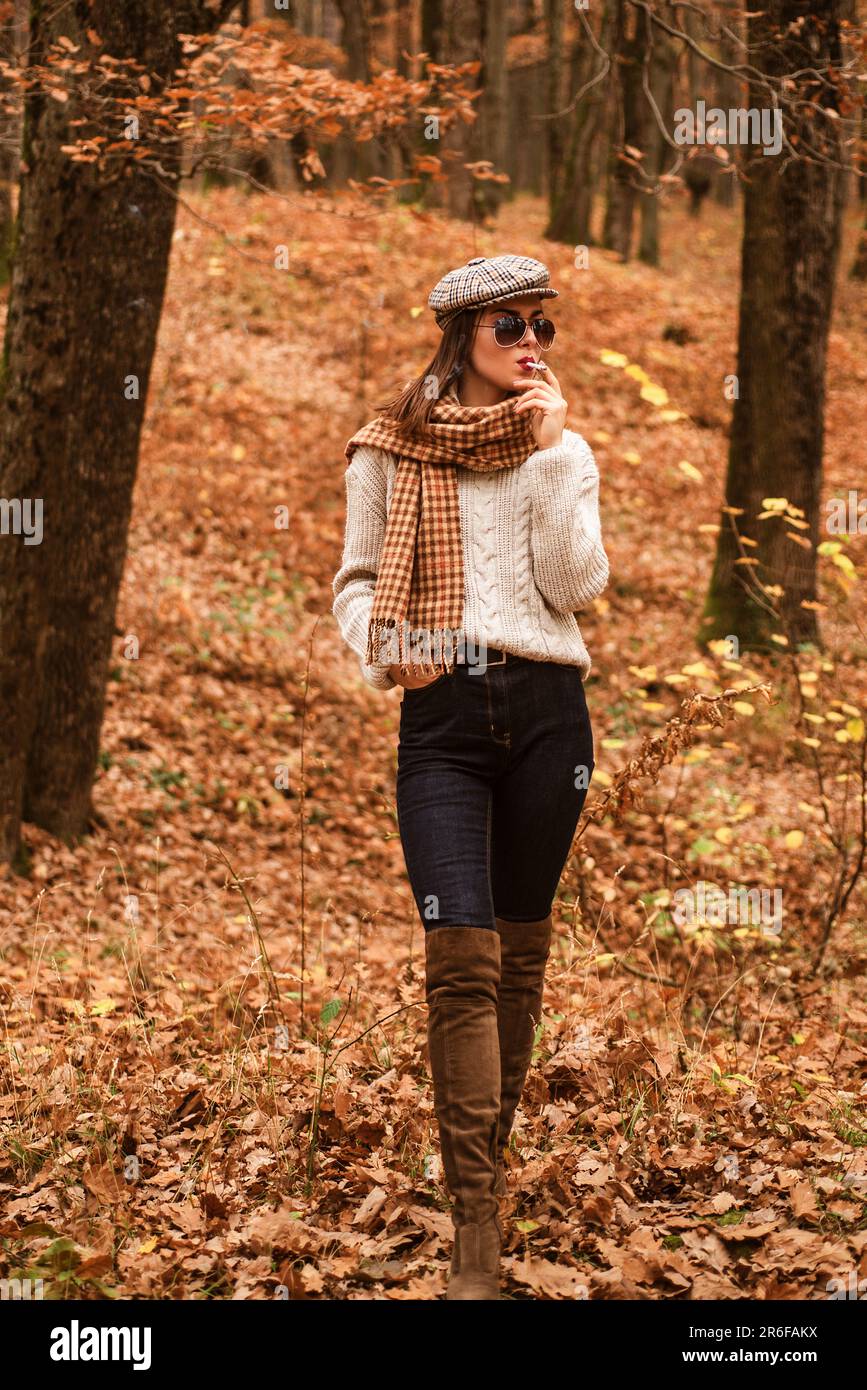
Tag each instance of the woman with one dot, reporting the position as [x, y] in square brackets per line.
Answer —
[472, 536]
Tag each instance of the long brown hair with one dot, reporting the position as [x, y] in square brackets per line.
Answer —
[412, 406]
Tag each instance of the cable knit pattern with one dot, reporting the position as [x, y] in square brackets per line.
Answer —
[532, 549]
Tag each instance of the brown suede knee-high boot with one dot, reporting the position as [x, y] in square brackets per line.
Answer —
[524, 949]
[462, 970]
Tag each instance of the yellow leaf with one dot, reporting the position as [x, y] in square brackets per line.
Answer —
[415, 311]
[699, 668]
[613, 742]
[815, 718]
[850, 709]
[775, 504]
[780, 640]
[743, 707]
[855, 730]
[690, 471]
[845, 564]
[631, 457]
[603, 778]
[100, 1007]
[609, 357]
[657, 395]
[669, 416]
[811, 742]
[724, 834]
[794, 839]
[637, 373]
[602, 437]
[147, 1247]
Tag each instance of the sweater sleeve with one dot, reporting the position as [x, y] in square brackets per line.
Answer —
[570, 566]
[355, 581]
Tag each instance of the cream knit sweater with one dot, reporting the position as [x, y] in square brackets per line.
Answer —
[532, 550]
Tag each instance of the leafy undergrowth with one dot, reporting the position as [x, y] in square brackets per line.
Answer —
[216, 1082]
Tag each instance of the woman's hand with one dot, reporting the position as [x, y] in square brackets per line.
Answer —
[409, 681]
[547, 408]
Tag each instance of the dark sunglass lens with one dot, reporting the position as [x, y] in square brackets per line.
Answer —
[544, 330]
[509, 330]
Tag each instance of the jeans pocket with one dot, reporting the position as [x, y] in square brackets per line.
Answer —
[576, 699]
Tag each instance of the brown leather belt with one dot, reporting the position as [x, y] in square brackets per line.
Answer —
[489, 656]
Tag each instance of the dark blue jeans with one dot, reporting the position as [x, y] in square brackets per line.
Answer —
[492, 773]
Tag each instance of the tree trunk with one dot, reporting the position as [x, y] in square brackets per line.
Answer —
[661, 79]
[492, 126]
[464, 43]
[85, 300]
[792, 224]
[432, 21]
[347, 158]
[555, 130]
[572, 194]
[859, 265]
[727, 97]
[12, 41]
[624, 179]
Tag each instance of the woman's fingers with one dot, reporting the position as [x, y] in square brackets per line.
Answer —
[543, 402]
[409, 680]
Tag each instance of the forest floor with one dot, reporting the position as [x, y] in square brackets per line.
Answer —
[216, 1079]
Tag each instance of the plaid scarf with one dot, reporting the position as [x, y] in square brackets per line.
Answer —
[420, 580]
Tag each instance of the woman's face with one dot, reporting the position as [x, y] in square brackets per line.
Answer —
[498, 366]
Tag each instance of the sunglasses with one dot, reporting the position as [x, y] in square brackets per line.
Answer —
[509, 329]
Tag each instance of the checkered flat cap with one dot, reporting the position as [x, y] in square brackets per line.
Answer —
[488, 280]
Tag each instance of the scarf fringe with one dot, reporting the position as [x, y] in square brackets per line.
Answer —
[429, 650]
